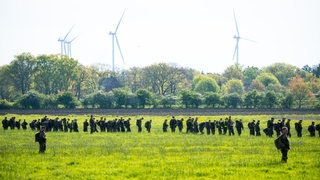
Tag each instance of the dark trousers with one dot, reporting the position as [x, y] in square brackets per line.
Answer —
[284, 152]
[42, 147]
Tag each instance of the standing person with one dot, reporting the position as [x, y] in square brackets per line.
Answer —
[148, 125]
[165, 126]
[298, 127]
[180, 124]
[127, 124]
[195, 125]
[257, 128]
[173, 124]
[312, 129]
[41, 138]
[85, 126]
[270, 127]
[239, 126]
[5, 123]
[251, 126]
[139, 124]
[230, 126]
[24, 125]
[318, 128]
[285, 144]
[288, 126]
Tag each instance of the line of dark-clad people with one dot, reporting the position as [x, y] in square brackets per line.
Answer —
[225, 126]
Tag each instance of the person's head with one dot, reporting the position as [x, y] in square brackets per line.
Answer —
[42, 129]
[284, 130]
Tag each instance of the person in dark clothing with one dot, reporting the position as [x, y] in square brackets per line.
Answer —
[318, 128]
[288, 126]
[239, 126]
[24, 125]
[148, 125]
[42, 139]
[173, 124]
[139, 124]
[5, 123]
[257, 128]
[189, 124]
[230, 126]
[285, 144]
[180, 124]
[85, 126]
[225, 126]
[298, 127]
[165, 126]
[208, 126]
[251, 126]
[127, 124]
[195, 126]
[213, 127]
[312, 129]
[220, 126]
[270, 127]
[202, 125]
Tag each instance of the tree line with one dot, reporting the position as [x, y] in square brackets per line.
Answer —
[57, 81]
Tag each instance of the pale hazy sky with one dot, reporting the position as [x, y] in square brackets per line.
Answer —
[191, 33]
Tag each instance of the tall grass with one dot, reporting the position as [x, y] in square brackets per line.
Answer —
[155, 155]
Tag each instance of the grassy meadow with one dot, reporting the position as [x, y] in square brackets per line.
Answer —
[157, 155]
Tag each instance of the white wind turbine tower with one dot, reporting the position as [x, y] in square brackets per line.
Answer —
[237, 37]
[69, 46]
[114, 37]
[63, 42]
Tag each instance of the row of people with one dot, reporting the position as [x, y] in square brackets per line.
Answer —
[225, 126]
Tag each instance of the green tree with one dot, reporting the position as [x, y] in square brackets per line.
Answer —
[103, 99]
[6, 85]
[270, 99]
[232, 100]
[65, 73]
[45, 74]
[31, 99]
[267, 78]
[233, 86]
[233, 72]
[168, 101]
[67, 100]
[287, 101]
[205, 84]
[212, 99]
[120, 96]
[162, 78]
[144, 97]
[282, 71]
[252, 99]
[257, 85]
[299, 90]
[250, 73]
[21, 71]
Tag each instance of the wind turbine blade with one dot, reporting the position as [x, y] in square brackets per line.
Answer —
[235, 20]
[68, 33]
[119, 23]
[235, 50]
[248, 39]
[74, 39]
[119, 48]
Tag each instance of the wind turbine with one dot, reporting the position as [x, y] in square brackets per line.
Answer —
[114, 37]
[237, 37]
[63, 42]
[69, 46]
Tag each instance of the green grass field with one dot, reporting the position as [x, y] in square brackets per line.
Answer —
[157, 155]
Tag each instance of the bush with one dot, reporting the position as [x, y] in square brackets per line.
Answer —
[4, 104]
[67, 100]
